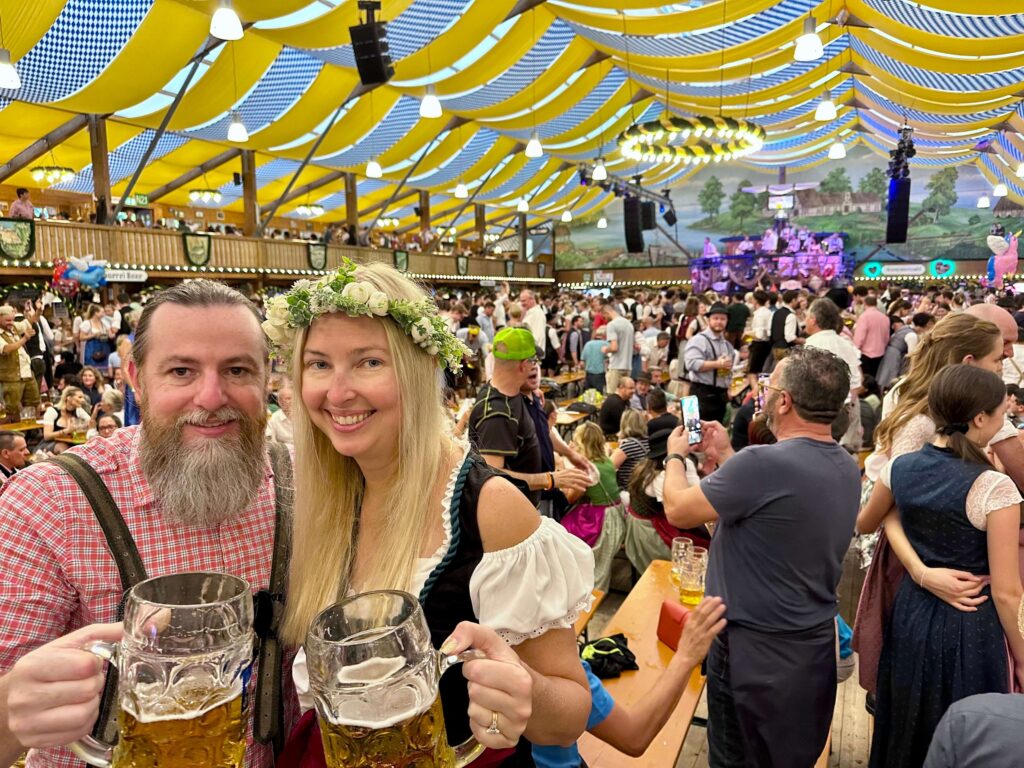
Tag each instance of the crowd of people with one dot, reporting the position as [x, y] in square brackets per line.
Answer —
[426, 457]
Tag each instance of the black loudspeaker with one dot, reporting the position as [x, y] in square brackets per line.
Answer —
[416, 210]
[102, 212]
[237, 178]
[633, 228]
[670, 217]
[648, 215]
[899, 211]
[370, 48]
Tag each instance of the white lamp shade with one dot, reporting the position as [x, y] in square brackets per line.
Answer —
[373, 170]
[533, 148]
[1000, 190]
[808, 45]
[9, 78]
[523, 206]
[237, 131]
[602, 223]
[225, 24]
[600, 172]
[837, 151]
[430, 106]
[460, 191]
[984, 202]
[826, 108]
[1020, 171]
[566, 216]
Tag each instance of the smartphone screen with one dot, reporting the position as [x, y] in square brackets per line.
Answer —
[691, 419]
[761, 395]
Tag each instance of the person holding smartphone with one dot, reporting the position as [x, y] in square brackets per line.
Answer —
[709, 359]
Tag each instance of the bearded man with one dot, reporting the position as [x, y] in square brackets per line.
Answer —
[194, 486]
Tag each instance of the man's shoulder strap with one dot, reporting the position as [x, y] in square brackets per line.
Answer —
[119, 538]
[126, 558]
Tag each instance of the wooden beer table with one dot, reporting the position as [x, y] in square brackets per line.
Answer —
[637, 619]
[566, 420]
[21, 426]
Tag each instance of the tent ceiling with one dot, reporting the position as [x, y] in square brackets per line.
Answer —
[576, 72]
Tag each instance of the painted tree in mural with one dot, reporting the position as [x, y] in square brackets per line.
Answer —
[711, 196]
[941, 192]
[742, 204]
[874, 182]
[836, 182]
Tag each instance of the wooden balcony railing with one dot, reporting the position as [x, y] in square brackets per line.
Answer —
[163, 250]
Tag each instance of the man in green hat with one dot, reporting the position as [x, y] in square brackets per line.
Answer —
[500, 427]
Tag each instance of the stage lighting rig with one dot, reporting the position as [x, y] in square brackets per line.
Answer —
[899, 168]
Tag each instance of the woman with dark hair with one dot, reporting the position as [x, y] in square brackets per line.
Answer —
[958, 512]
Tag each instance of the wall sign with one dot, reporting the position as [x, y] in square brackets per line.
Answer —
[127, 276]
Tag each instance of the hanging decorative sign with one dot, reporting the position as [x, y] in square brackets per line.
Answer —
[17, 238]
[510, 267]
[197, 248]
[462, 264]
[402, 261]
[127, 276]
[872, 269]
[316, 255]
[604, 277]
[542, 268]
[942, 268]
[903, 270]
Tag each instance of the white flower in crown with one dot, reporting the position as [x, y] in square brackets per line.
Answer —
[420, 330]
[278, 334]
[359, 292]
[277, 312]
[378, 303]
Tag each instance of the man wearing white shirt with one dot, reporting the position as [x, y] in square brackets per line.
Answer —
[534, 319]
[824, 321]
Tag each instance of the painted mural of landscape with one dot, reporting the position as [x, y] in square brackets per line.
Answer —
[850, 197]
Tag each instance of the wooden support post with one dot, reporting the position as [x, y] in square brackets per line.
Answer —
[100, 168]
[351, 203]
[250, 204]
[424, 210]
[521, 221]
[480, 211]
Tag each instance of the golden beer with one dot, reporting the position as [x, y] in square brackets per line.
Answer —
[213, 739]
[417, 741]
[691, 597]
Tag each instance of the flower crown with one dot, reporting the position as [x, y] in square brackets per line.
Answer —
[341, 291]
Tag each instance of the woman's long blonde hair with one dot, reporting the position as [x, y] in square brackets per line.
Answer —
[329, 487]
[589, 438]
[952, 339]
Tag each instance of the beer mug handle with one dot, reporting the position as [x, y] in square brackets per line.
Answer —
[470, 749]
[90, 750]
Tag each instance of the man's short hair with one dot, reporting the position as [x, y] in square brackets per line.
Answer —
[7, 440]
[664, 336]
[860, 290]
[192, 293]
[826, 314]
[21, 191]
[788, 297]
[871, 301]
[488, 304]
[817, 381]
[921, 319]
[656, 400]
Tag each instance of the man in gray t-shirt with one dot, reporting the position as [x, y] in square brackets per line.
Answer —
[785, 515]
[620, 345]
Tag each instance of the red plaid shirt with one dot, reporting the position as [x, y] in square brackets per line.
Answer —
[58, 574]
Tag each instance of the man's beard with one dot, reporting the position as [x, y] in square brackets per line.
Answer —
[206, 481]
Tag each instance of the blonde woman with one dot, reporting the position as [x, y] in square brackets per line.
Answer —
[586, 518]
[386, 498]
[62, 421]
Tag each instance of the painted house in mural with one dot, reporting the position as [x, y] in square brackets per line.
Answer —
[1008, 209]
[811, 202]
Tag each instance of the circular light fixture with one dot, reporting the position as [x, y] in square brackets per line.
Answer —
[310, 210]
[236, 130]
[837, 151]
[600, 172]
[430, 106]
[826, 109]
[1000, 190]
[566, 216]
[460, 191]
[225, 24]
[52, 174]
[984, 202]
[9, 78]
[373, 169]
[704, 138]
[808, 45]
[533, 147]
[523, 206]
[602, 223]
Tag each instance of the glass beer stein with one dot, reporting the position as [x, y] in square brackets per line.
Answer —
[374, 676]
[183, 665]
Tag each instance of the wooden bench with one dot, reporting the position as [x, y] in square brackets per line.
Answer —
[566, 421]
[581, 623]
[637, 618]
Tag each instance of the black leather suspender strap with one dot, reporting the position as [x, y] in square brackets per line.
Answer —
[129, 567]
[269, 717]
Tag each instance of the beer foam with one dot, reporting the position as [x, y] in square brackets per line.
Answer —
[371, 670]
[166, 708]
[400, 704]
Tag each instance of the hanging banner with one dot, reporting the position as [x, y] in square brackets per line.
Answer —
[17, 238]
[197, 248]
[316, 255]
